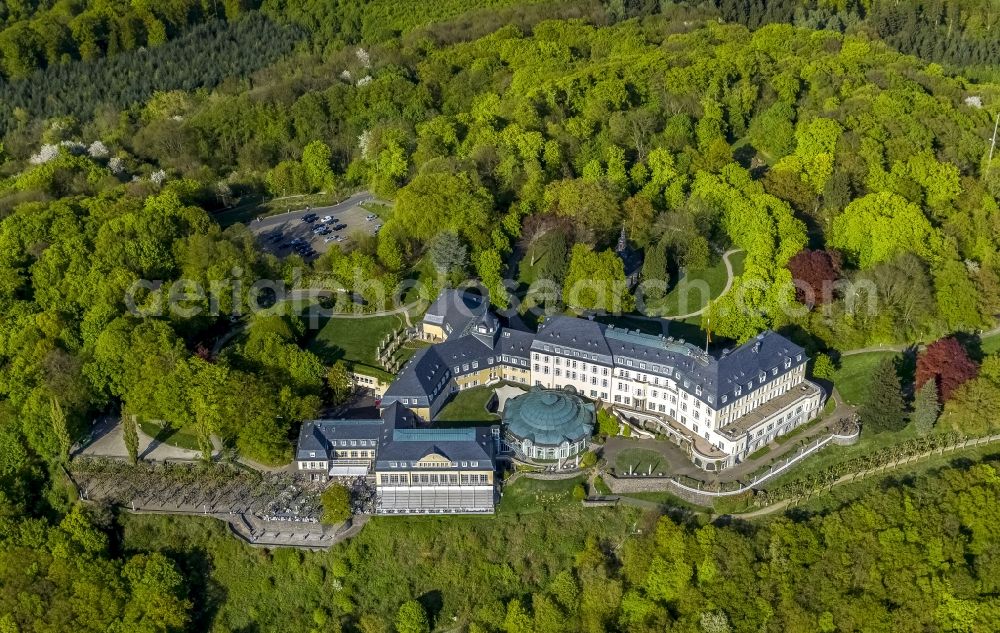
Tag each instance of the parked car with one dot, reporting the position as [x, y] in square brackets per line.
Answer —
[332, 238]
[327, 218]
[371, 217]
[338, 227]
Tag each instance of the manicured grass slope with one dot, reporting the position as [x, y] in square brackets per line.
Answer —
[354, 340]
[469, 406]
[855, 372]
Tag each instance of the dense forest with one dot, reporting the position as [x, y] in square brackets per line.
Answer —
[915, 555]
[837, 144]
[825, 157]
[39, 33]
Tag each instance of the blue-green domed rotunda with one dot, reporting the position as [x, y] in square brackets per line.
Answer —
[548, 424]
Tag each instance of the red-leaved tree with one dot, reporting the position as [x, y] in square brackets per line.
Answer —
[946, 362]
[815, 272]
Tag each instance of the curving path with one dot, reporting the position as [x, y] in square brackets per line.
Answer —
[861, 474]
[729, 284]
[902, 347]
[680, 317]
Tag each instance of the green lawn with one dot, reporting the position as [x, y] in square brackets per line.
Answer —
[527, 496]
[354, 340]
[410, 348]
[640, 460]
[469, 406]
[697, 287]
[833, 454]
[852, 379]
[991, 344]
[184, 437]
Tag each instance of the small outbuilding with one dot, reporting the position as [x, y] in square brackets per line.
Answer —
[548, 424]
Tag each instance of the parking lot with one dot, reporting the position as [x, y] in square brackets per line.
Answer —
[281, 234]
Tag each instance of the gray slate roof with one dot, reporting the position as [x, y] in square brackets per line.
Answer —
[705, 377]
[456, 311]
[318, 436]
[404, 446]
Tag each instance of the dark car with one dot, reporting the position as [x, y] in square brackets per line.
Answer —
[339, 227]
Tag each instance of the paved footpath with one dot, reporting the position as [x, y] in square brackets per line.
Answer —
[107, 441]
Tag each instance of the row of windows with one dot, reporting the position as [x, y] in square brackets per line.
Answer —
[569, 352]
[355, 454]
[466, 464]
[511, 360]
[434, 479]
[352, 442]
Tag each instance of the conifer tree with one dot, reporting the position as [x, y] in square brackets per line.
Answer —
[882, 409]
[130, 434]
[926, 408]
[60, 428]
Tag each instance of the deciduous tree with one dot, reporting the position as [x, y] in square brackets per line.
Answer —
[336, 500]
[412, 618]
[945, 363]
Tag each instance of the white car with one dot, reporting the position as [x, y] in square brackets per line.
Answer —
[332, 238]
[371, 217]
[326, 218]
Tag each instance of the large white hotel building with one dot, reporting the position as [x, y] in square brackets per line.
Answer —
[720, 408]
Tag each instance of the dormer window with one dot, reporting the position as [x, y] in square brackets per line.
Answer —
[774, 372]
[788, 363]
[724, 399]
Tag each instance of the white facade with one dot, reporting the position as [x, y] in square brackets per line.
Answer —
[752, 414]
